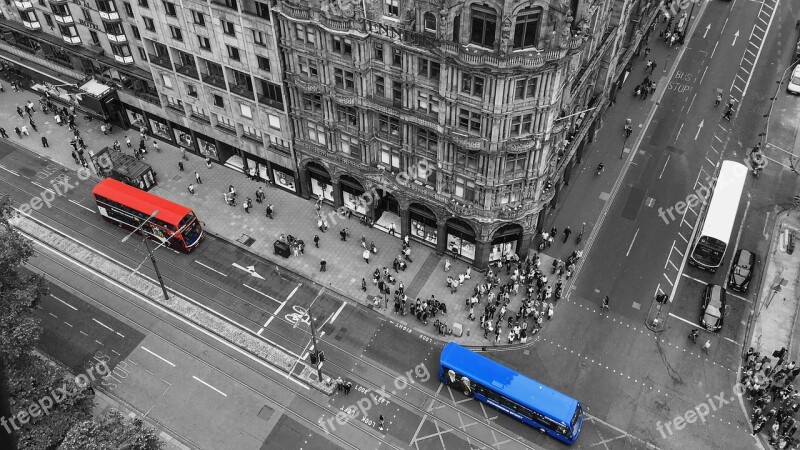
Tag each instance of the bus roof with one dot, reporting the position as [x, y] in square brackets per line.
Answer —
[140, 200]
[725, 201]
[509, 383]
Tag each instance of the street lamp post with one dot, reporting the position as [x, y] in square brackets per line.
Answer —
[149, 252]
[314, 333]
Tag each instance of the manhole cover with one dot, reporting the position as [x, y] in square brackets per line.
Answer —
[265, 413]
[246, 240]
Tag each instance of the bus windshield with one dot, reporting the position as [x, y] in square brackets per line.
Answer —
[192, 233]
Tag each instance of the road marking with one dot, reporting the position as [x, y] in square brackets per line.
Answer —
[98, 342]
[78, 204]
[681, 236]
[120, 334]
[265, 295]
[739, 297]
[210, 386]
[171, 313]
[260, 330]
[687, 321]
[45, 188]
[336, 314]
[732, 341]
[81, 332]
[68, 324]
[704, 75]
[293, 291]
[62, 301]
[117, 353]
[55, 316]
[102, 324]
[665, 167]
[632, 241]
[692, 103]
[157, 356]
[668, 280]
[210, 268]
[766, 221]
[9, 171]
[695, 279]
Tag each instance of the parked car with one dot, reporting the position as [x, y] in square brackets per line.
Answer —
[713, 313]
[794, 82]
[741, 270]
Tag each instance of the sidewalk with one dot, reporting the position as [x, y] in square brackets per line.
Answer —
[256, 233]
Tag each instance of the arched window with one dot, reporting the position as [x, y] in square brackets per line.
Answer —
[484, 26]
[526, 30]
[429, 22]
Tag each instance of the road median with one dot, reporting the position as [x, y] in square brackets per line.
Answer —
[189, 309]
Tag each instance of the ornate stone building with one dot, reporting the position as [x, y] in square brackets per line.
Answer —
[484, 96]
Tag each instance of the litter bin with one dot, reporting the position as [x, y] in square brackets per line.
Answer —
[281, 248]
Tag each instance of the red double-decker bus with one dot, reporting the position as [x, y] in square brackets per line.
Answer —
[174, 226]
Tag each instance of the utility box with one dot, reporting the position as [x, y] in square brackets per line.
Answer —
[281, 248]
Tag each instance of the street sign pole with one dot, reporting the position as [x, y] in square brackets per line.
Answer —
[314, 333]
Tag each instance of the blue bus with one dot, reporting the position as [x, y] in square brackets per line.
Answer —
[518, 396]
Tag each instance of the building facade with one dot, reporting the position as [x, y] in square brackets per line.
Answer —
[454, 122]
[202, 75]
[453, 116]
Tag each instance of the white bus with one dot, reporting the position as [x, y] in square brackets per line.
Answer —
[717, 225]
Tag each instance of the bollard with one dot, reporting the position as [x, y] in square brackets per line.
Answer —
[655, 323]
[467, 332]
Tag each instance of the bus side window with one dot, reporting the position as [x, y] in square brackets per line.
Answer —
[479, 389]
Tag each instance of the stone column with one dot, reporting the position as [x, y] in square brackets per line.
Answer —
[441, 237]
[337, 190]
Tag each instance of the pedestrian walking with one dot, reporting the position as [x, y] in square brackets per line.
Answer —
[128, 142]
[180, 166]
[24, 130]
[191, 188]
[75, 157]
[366, 256]
[364, 285]
[44, 142]
[33, 125]
[208, 162]
[183, 154]
[567, 232]
[342, 233]
[269, 211]
[103, 129]
[247, 205]
[646, 51]
[58, 120]
[197, 178]
[3, 133]
[316, 240]
[653, 67]
[323, 268]
[380, 422]
[347, 388]
[605, 303]
[155, 146]
[30, 107]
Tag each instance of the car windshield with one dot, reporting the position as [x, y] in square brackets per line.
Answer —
[713, 311]
[796, 79]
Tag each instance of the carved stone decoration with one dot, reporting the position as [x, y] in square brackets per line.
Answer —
[467, 142]
[443, 19]
[410, 15]
[480, 195]
[307, 87]
[566, 30]
[530, 222]
[505, 35]
[530, 188]
[358, 14]
[448, 184]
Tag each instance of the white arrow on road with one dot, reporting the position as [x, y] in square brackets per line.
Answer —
[735, 35]
[699, 127]
[708, 27]
[249, 269]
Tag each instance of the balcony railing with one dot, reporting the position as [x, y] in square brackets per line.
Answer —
[32, 25]
[214, 80]
[162, 61]
[264, 100]
[189, 70]
[109, 16]
[242, 90]
[22, 5]
[124, 59]
[66, 19]
[118, 38]
[58, 2]
[148, 96]
[71, 39]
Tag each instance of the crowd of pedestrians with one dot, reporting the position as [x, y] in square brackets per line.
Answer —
[777, 401]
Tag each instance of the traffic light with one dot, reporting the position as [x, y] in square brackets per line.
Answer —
[313, 357]
[321, 356]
